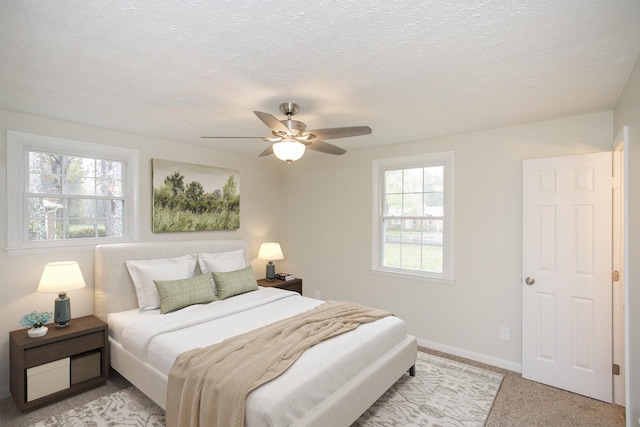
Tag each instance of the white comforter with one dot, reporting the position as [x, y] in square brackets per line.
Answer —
[157, 339]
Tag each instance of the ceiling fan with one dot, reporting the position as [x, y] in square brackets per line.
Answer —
[291, 138]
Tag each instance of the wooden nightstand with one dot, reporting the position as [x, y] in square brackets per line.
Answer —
[79, 351]
[290, 285]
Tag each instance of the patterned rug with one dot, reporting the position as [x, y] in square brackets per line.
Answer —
[443, 393]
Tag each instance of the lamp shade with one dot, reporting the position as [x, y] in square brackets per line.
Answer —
[288, 150]
[61, 277]
[270, 252]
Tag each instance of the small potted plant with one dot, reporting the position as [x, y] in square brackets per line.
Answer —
[36, 322]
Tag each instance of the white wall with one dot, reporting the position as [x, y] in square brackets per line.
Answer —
[627, 112]
[20, 274]
[328, 228]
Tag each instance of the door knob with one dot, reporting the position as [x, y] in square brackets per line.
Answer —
[529, 281]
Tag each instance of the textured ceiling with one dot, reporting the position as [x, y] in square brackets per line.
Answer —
[410, 69]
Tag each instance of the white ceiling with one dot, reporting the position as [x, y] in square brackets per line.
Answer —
[410, 69]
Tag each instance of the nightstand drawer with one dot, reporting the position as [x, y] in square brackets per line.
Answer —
[43, 380]
[294, 285]
[39, 355]
[85, 366]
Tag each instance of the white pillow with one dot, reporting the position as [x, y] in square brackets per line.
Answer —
[144, 272]
[222, 262]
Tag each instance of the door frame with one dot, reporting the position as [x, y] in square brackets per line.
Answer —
[618, 264]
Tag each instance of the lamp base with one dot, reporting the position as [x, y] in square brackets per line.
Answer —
[271, 272]
[62, 310]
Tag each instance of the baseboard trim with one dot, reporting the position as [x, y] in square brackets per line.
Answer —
[478, 357]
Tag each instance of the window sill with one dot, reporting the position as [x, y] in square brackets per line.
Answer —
[413, 276]
[57, 246]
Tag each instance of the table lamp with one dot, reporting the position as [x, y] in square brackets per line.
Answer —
[61, 277]
[270, 252]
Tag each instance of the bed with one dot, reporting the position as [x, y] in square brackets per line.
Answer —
[332, 383]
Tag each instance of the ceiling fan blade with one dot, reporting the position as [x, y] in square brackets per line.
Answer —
[333, 133]
[272, 122]
[234, 137]
[324, 147]
[267, 151]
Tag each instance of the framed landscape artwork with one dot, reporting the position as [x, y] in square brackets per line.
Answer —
[190, 197]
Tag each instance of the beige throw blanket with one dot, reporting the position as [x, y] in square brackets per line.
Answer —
[208, 386]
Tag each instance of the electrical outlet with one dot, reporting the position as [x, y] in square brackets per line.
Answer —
[317, 295]
[505, 333]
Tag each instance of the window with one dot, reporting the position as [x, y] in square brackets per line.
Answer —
[69, 192]
[413, 215]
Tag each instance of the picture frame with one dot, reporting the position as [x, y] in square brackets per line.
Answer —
[193, 197]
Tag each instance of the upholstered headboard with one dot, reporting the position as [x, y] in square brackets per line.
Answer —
[114, 290]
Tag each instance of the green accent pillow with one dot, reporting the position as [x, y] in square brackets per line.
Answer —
[176, 294]
[235, 282]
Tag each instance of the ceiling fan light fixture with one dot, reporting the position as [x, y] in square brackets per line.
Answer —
[288, 150]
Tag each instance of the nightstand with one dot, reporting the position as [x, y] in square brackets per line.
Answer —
[290, 285]
[64, 362]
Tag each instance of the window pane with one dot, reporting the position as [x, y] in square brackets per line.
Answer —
[109, 178]
[411, 244]
[39, 206]
[432, 231]
[45, 163]
[81, 228]
[391, 256]
[433, 204]
[432, 241]
[110, 218]
[393, 182]
[44, 184]
[391, 245]
[77, 185]
[81, 208]
[393, 205]
[109, 187]
[412, 181]
[411, 256]
[108, 169]
[37, 230]
[110, 227]
[434, 179]
[412, 205]
[432, 259]
[88, 167]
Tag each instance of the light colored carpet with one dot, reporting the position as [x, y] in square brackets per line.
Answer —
[128, 407]
[443, 393]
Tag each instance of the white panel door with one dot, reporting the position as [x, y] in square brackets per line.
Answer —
[566, 286]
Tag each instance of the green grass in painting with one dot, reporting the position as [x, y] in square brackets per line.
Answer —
[165, 219]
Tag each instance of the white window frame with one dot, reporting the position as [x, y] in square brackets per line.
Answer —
[19, 144]
[446, 159]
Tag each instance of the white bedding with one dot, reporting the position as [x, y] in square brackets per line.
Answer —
[157, 339]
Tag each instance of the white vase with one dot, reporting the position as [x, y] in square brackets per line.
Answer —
[37, 332]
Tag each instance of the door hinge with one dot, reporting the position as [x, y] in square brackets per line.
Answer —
[616, 369]
[615, 276]
[615, 182]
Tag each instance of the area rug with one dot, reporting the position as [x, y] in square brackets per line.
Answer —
[443, 393]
